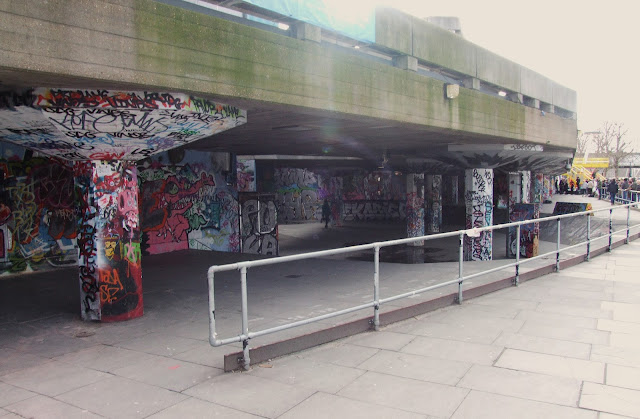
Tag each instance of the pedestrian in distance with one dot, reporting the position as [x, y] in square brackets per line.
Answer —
[326, 213]
[613, 190]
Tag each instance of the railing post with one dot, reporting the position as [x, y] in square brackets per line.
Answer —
[588, 237]
[516, 280]
[212, 307]
[610, 228]
[558, 248]
[376, 288]
[246, 360]
[628, 217]
[460, 262]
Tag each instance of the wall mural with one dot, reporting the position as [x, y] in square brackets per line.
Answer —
[186, 205]
[529, 233]
[259, 224]
[246, 175]
[38, 226]
[109, 255]
[479, 207]
[110, 125]
[360, 197]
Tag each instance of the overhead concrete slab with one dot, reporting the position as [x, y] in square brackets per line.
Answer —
[77, 124]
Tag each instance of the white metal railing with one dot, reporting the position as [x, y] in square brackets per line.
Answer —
[377, 301]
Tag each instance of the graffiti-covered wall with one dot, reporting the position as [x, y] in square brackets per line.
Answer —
[187, 204]
[371, 196]
[37, 219]
[529, 233]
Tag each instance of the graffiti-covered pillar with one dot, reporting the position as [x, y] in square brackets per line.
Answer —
[108, 240]
[415, 206]
[515, 190]
[479, 206]
[433, 189]
[538, 188]
[525, 196]
[454, 191]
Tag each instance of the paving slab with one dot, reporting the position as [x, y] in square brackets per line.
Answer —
[117, 397]
[251, 394]
[525, 385]
[167, 373]
[544, 345]
[302, 372]
[481, 405]
[623, 376]
[10, 394]
[329, 406]
[475, 353]
[193, 408]
[417, 367]
[558, 366]
[605, 398]
[406, 394]
[340, 353]
[46, 407]
[53, 378]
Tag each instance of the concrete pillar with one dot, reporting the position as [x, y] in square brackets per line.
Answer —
[454, 190]
[415, 216]
[515, 189]
[307, 32]
[433, 189]
[109, 255]
[479, 206]
[525, 196]
[538, 188]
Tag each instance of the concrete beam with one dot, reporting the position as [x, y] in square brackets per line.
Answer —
[307, 32]
[406, 62]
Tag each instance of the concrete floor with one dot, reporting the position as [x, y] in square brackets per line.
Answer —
[54, 365]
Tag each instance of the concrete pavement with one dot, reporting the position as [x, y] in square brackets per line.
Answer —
[563, 345]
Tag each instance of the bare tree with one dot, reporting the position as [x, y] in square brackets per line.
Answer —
[610, 141]
[583, 142]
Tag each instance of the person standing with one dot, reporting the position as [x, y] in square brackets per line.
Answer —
[613, 190]
[326, 213]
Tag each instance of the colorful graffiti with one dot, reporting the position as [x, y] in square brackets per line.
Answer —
[109, 256]
[525, 197]
[187, 206]
[434, 203]
[246, 175]
[374, 210]
[538, 188]
[379, 186]
[479, 208]
[37, 216]
[259, 224]
[529, 233]
[415, 206]
[110, 125]
[570, 207]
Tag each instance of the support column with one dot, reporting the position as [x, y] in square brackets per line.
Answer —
[538, 188]
[479, 206]
[434, 203]
[454, 190]
[415, 215]
[108, 240]
[515, 190]
[525, 196]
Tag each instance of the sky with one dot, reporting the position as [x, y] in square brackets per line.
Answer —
[589, 46]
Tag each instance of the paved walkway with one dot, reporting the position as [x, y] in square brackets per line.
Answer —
[566, 345]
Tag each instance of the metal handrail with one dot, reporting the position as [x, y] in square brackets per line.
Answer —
[245, 335]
